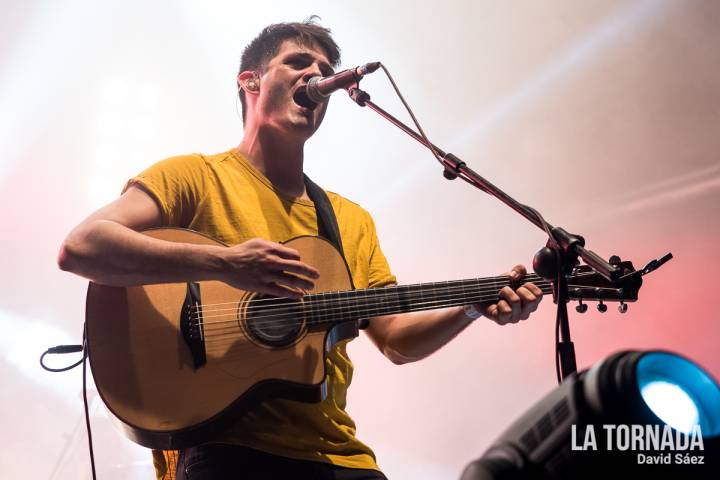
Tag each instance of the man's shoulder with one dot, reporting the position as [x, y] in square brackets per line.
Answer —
[336, 198]
[191, 167]
[194, 160]
[348, 208]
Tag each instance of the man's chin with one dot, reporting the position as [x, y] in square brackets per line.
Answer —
[296, 127]
[302, 125]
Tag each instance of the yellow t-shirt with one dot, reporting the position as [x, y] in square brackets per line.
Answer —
[225, 197]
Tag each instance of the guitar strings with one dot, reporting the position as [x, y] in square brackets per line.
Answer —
[265, 303]
[432, 285]
[330, 304]
[216, 339]
[289, 318]
[531, 277]
[339, 304]
[290, 314]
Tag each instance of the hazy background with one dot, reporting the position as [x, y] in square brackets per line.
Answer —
[605, 115]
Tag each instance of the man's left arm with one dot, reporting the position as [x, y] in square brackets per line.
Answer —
[410, 337]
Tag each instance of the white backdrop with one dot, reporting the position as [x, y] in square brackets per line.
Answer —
[605, 115]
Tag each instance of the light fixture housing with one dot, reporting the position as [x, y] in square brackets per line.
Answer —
[639, 392]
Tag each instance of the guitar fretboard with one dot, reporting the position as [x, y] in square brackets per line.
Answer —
[353, 304]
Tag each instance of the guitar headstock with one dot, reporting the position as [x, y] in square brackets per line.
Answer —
[585, 284]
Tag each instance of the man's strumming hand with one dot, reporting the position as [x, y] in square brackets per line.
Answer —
[267, 267]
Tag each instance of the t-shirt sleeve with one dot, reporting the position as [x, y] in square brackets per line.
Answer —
[177, 185]
[379, 274]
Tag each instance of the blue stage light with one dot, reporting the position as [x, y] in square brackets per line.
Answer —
[644, 392]
[679, 392]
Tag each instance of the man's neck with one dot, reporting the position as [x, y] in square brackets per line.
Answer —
[278, 158]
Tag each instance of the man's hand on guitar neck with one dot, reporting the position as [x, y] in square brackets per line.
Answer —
[516, 304]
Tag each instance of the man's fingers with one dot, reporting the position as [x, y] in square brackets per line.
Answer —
[526, 296]
[533, 288]
[300, 268]
[279, 291]
[530, 299]
[288, 279]
[493, 313]
[536, 292]
[514, 305]
[504, 312]
[518, 272]
[285, 252]
[513, 301]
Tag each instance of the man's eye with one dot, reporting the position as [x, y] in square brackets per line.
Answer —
[297, 63]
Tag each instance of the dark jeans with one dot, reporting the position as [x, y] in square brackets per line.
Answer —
[231, 462]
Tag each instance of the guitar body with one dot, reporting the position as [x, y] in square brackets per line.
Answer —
[173, 367]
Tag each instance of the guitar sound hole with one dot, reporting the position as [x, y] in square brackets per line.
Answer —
[276, 322]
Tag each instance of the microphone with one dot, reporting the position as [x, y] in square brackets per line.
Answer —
[318, 89]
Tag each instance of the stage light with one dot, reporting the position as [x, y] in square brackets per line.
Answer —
[643, 413]
[671, 404]
[679, 392]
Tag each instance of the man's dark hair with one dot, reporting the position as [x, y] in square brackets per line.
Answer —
[266, 45]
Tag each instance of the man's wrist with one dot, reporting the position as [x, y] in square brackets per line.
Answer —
[471, 312]
[207, 261]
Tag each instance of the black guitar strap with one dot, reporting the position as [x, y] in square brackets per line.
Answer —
[327, 223]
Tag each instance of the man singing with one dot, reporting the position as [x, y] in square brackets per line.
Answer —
[253, 197]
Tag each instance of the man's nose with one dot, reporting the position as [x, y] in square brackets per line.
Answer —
[312, 71]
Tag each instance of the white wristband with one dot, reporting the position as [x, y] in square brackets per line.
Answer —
[471, 312]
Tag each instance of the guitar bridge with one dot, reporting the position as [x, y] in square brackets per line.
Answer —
[191, 324]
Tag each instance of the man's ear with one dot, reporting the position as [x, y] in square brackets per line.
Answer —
[249, 81]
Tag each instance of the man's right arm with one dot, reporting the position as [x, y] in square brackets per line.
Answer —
[108, 249]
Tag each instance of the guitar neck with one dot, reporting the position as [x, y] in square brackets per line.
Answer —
[334, 307]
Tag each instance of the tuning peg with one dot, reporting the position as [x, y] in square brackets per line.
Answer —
[581, 308]
[602, 308]
[622, 308]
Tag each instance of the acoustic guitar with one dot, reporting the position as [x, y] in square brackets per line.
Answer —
[173, 361]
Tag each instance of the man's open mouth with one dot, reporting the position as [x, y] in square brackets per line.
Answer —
[300, 97]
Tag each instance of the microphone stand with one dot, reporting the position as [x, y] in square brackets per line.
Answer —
[554, 261]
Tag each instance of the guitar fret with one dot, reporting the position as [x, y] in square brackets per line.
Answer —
[340, 312]
[400, 298]
[345, 307]
[325, 315]
[483, 297]
[336, 299]
[390, 302]
[359, 305]
[307, 310]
